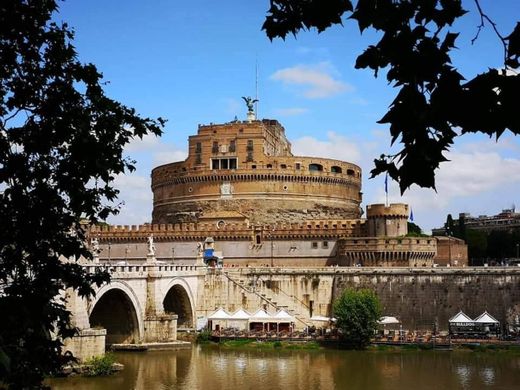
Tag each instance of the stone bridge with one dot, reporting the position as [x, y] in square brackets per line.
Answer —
[143, 303]
[147, 303]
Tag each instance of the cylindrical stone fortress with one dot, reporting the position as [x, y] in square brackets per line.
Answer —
[248, 168]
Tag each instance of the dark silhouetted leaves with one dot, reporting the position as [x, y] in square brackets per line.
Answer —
[61, 145]
[431, 101]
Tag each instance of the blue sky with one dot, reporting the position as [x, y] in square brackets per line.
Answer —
[190, 62]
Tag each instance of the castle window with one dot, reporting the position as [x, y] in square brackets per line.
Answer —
[224, 163]
[232, 146]
[249, 156]
[269, 166]
[297, 166]
[249, 145]
[198, 159]
[198, 148]
[258, 239]
[214, 149]
[315, 167]
[336, 169]
[253, 166]
[350, 172]
[314, 245]
[283, 166]
[325, 245]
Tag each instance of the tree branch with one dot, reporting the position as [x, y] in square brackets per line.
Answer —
[483, 19]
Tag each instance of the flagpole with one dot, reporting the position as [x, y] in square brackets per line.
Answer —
[386, 189]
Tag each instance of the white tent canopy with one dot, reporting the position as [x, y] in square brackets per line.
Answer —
[321, 319]
[240, 314]
[461, 319]
[219, 319]
[386, 320]
[220, 314]
[260, 316]
[239, 319]
[283, 316]
[485, 318]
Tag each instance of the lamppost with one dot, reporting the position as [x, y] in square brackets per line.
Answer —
[448, 233]
[270, 236]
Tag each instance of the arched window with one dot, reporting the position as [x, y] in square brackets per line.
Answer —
[350, 172]
[315, 167]
[336, 169]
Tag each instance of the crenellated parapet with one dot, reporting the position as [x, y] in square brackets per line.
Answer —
[387, 252]
[387, 221]
[222, 230]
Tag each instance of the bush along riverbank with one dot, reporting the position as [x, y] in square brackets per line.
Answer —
[95, 366]
[263, 344]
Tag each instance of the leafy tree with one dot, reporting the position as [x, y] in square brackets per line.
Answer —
[477, 246]
[61, 145]
[357, 312]
[414, 229]
[434, 98]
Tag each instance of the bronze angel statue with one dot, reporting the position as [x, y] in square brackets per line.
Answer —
[249, 103]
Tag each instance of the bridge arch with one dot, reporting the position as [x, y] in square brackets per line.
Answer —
[179, 300]
[116, 308]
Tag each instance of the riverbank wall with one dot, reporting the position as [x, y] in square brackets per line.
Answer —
[420, 297]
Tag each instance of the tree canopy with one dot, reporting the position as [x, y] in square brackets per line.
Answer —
[61, 146]
[357, 313]
[434, 103]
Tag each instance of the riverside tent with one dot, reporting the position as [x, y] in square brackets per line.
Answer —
[460, 323]
[239, 319]
[218, 320]
[261, 320]
[486, 323]
[386, 320]
[283, 321]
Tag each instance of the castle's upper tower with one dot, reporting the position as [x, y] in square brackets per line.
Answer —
[248, 167]
[387, 221]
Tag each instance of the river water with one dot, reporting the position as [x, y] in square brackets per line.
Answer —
[213, 367]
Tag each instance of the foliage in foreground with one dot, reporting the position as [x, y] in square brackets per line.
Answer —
[100, 365]
[435, 102]
[61, 146]
[357, 312]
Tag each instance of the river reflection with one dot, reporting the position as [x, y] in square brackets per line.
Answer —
[211, 368]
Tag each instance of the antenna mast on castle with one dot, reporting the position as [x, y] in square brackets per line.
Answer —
[256, 87]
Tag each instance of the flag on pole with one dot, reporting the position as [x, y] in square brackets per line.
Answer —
[411, 214]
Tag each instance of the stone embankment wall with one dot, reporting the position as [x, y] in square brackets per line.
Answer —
[419, 297]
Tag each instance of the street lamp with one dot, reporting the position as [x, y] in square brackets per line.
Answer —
[448, 233]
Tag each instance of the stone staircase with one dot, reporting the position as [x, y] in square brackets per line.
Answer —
[270, 299]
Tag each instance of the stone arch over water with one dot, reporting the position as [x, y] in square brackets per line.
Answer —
[178, 301]
[117, 311]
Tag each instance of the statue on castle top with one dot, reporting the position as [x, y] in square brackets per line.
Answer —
[249, 103]
[95, 246]
[151, 246]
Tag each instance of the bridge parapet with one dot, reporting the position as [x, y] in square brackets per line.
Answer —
[122, 271]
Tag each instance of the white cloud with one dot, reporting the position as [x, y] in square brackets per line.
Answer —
[336, 146]
[290, 111]
[147, 143]
[136, 199]
[168, 156]
[477, 172]
[317, 80]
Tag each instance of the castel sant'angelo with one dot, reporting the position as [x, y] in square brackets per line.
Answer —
[242, 188]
